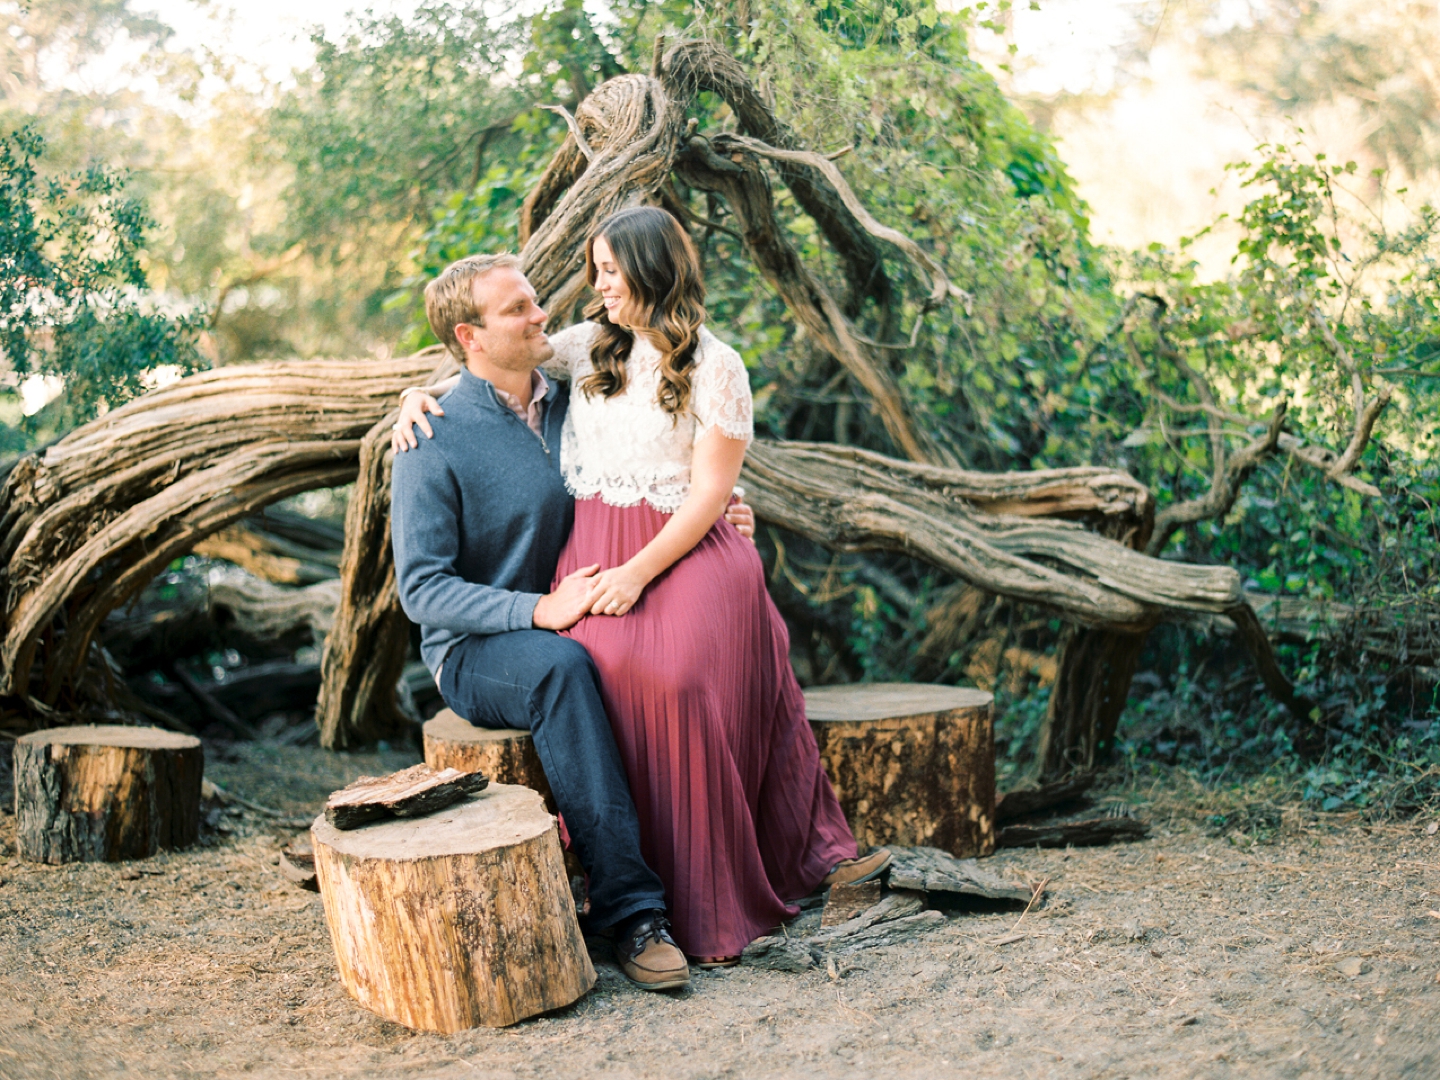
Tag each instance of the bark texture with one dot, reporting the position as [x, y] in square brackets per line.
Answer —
[365, 653]
[106, 793]
[89, 522]
[911, 764]
[414, 792]
[458, 920]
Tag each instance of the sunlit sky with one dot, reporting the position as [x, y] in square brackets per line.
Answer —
[1066, 45]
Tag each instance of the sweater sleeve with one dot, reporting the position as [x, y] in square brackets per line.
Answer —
[425, 534]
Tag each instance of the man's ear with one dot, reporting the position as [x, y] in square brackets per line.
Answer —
[468, 336]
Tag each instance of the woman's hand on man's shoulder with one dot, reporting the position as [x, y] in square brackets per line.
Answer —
[413, 406]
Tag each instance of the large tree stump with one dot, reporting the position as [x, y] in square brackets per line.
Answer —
[456, 920]
[505, 755]
[911, 764]
[105, 793]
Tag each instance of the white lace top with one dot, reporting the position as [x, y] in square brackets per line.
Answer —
[627, 448]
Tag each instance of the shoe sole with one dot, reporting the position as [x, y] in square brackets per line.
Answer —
[673, 984]
[871, 876]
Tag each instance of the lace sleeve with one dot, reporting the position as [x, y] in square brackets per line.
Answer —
[572, 345]
[722, 392]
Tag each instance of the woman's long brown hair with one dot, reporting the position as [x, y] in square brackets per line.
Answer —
[667, 295]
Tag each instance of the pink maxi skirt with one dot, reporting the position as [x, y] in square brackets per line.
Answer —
[736, 812]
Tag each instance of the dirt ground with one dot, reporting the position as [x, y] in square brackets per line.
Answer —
[1288, 945]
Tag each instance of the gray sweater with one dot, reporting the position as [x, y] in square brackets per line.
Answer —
[479, 514]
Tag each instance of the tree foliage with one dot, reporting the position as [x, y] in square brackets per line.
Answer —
[73, 301]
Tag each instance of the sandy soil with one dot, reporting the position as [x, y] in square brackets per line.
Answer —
[1294, 946]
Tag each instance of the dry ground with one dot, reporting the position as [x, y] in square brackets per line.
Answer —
[1309, 954]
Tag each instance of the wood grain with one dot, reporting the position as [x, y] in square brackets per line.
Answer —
[457, 920]
[105, 793]
[910, 765]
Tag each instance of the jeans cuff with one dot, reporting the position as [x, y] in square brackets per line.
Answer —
[633, 907]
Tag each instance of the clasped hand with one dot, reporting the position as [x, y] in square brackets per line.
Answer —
[587, 591]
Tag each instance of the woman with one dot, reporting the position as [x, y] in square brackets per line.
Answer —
[735, 809]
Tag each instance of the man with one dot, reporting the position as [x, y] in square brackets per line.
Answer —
[479, 516]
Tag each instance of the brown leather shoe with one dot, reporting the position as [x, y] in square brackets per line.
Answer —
[854, 871]
[649, 956]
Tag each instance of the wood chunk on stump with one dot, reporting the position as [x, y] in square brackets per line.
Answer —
[106, 792]
[411, 792]
[911, 764]
[846, 901]
[506, 755]
[456, 920]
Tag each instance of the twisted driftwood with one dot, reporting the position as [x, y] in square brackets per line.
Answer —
[85, 525]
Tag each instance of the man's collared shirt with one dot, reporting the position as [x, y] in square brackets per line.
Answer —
[539, 388]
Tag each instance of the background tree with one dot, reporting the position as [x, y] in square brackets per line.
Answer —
[73, 293]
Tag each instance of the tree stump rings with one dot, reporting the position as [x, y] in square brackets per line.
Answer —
[505, 755]
[456, 920]
[105, 793]
[911, 764]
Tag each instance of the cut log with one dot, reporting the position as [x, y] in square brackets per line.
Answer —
[106, 793]
[930, 870]
[1088, 833]
[456, 920]
[506, 755]
[1025, 801]
[911, 764]
[412, 792]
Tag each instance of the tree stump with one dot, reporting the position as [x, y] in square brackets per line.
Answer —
[456, 920]
[505, 755]
[105, 793]
[911, 764]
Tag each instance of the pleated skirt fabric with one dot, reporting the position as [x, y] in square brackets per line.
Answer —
[736, 812]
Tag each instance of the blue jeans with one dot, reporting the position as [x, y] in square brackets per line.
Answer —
[548, 686]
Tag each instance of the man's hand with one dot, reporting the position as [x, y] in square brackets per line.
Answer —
[569, 603]
[740, 514]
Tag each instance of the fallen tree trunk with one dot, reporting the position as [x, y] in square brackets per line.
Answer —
[365, 652]
[88, 523]
[854, 500]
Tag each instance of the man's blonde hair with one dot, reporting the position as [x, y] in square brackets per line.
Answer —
[450, 298]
